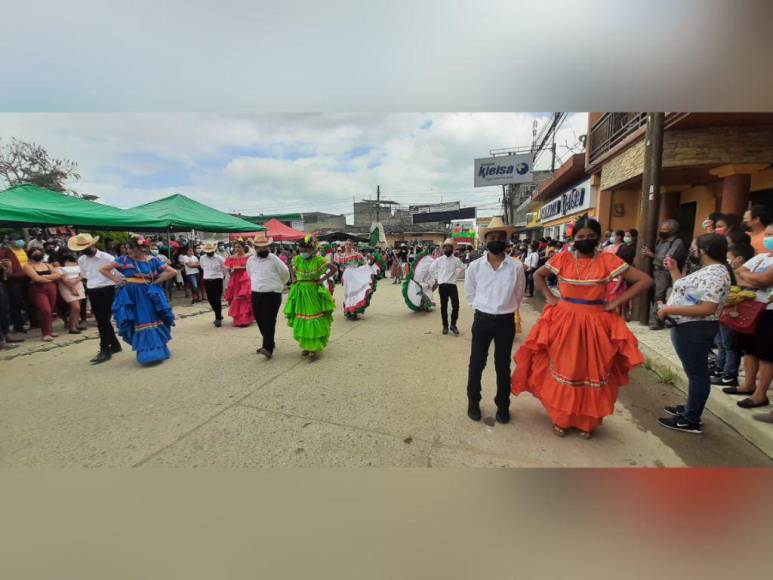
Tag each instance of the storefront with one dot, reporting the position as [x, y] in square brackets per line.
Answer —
[558, 213]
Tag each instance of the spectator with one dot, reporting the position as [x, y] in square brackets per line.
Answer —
[615, 241]
[16, 281]
[710, 222]
[71, 290]
[627, 250]
[36, 241]
[738, 237]
[190, 264]
[755, 220]
[668, 246]
[532, 264]
[6, 268]
[726, 224]
[693, 308]
[757, 348]
[42, 291]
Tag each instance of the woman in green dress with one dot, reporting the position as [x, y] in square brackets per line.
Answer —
[309, 308]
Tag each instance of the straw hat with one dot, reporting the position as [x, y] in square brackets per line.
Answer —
[261, 240]
[81, 242]
[209, 247]
[449, 242]
[496, 225]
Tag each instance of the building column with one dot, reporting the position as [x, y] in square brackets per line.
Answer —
[736, 183]
[669, 206]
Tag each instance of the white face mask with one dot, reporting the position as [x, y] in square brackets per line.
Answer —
[627, 239]
[612, 239]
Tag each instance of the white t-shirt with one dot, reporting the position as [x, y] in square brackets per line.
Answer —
[213, 267]
[191, 264]
[90, 266]
[758, 264]
[709, 284]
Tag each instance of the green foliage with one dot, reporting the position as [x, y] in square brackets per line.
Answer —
[107, 239]
[22, 162]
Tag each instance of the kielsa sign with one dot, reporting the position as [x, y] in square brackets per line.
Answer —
[570, 202]
[503, 170]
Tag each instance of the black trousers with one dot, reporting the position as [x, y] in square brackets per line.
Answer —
[449, 291]
[214, 290]
[501, 329]
[530, 282]
[265, 307]
[101, 305]
[17, 298]
[5, 312]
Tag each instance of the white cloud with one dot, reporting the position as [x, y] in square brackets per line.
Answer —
[262, 163]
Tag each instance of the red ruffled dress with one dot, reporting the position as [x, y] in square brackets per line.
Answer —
[578, 355]
[239, 292]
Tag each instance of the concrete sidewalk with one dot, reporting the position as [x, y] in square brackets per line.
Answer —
[661, 358]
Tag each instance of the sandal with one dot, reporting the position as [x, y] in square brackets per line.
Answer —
[304, 353]
[558, 431]
[48, 339]
[735, 391]
[585, 434]
[749, 403]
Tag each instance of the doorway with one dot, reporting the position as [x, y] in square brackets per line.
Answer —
[686, 220]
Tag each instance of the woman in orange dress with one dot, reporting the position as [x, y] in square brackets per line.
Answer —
[238, 294]
[580, 351]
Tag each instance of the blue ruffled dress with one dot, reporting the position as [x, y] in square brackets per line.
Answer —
[141, 311]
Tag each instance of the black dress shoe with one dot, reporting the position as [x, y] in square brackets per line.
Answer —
[454, 329]
[101, 357]
[473, 410]
[445, 330]
[503, 416]
[115, 349]
[218, 323]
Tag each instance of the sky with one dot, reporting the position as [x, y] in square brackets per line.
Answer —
[285, 163]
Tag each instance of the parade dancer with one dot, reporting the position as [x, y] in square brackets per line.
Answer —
[238, 294]
[268, 277]
[444, 272]
[419, 284]
[142, 313]
[359, 283]
[309, 307]
[213, 266]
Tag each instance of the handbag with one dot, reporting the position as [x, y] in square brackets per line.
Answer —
[742, 317]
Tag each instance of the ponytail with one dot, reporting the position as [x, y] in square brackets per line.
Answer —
[715, 246]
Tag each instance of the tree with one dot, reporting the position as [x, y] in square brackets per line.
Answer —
[22, 162]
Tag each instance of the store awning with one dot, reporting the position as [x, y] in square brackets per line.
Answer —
[181, 213]
[27, 205]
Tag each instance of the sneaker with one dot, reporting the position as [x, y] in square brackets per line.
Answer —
[677, 411]
[723, 381]
[473, 410]
[679, 423]
[445, 330]
[454, 329]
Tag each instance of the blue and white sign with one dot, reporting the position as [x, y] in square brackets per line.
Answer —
[503, 170]
[551, 210]
[576, 200]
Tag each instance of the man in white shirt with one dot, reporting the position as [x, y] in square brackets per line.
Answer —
[531, 263]
[213, 266]
[445, 271]
[494, 286]
[268, 277]
[190, 263]
[100, 291]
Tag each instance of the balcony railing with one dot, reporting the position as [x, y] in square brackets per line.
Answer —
[611, 130]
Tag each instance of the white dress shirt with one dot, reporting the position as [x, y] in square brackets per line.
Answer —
[90, 266]
[532, 260]
[445, 270]
[267, 274]
[497, 291]
[214, 267]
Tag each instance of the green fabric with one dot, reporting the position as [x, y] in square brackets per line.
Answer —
[374, 237]
[426, 305]
[33, 205]
[309, 299]
[181, 213]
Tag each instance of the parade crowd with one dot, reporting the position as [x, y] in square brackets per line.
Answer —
[715, 295]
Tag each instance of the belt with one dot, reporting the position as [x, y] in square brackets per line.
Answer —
[586, 302]
[133, 280]
[487, 315]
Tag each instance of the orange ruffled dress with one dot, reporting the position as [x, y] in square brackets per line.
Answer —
[577, 355]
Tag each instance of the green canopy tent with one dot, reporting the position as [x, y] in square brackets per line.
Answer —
[180, 213]
[25, 205]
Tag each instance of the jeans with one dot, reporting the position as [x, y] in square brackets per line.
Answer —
[265, 307]
[449, 291]
[193, 281]
[692, 342]
[485, 328]
[214, 288]
[102, 308]
[728, 358]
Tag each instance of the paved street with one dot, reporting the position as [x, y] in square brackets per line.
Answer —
[388, 391]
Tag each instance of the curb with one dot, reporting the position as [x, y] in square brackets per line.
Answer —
[724, 407]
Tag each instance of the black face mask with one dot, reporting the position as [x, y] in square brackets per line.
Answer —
[210, 254]
[664, 235]
[496, 247]
[448, 252]
[263, 253]
[36, 257]
[586, 246]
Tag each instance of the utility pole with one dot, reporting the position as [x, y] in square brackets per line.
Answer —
[553, 158]
[647, 223]
[378, 202]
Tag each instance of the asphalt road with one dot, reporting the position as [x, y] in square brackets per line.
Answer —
[388, 391]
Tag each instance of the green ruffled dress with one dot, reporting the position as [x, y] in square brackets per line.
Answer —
[309, 307]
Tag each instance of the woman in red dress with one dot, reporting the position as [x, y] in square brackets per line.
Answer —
[580, 351]
[238, 294]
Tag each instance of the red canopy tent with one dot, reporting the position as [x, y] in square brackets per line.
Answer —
[276, 230]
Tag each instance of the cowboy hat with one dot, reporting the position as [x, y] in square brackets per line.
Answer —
[449, 242]
[209, 247]
[496, 225]
[261, 240]
[81, 242]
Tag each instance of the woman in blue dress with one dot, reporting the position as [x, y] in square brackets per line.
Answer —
[141, 311]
